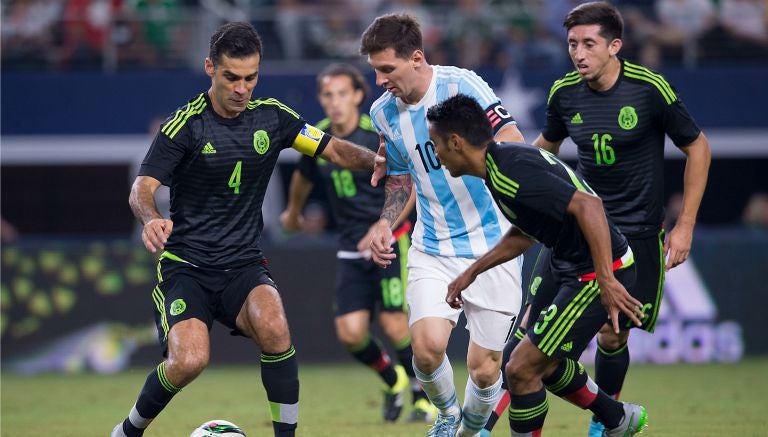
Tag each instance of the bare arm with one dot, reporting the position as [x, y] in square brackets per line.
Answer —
[397, 191]
[677, 245]
[511, 245]
[589, 213]
[549, 146]
[510, 133]
[298, 192]
[364, 245]
[354, 157]
[142, 201]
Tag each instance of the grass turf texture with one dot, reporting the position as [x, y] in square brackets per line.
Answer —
[345, 400]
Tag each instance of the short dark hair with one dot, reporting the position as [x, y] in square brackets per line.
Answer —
[342, 69]
[400, 32]
[235, 40]
[461, 115]
[601, 13]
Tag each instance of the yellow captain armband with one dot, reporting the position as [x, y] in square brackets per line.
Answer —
[310, 141]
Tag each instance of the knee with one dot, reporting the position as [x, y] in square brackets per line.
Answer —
[608, 339]
[274, 336]
[517, 371]
[428, 355]
[185, 367]
[349, 337]
[395, 327]
[485, 374]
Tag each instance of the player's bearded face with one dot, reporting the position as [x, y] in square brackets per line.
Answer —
[393, 73]
[232, 83]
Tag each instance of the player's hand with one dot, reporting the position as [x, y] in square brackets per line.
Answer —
[380, 162]
[453, 297]
[382, 252]
[677, 245]
[155, 234]
[364, 245]
[291, 222]
[615, 298]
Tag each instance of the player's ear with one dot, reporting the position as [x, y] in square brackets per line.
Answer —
[359, 95]
[209, 67]
[614, 46]
[417, 57]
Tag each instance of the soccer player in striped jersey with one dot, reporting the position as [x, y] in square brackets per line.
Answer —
[457, 222]
[591, 261]
[217, 154]
[362, 287]
[618, 112]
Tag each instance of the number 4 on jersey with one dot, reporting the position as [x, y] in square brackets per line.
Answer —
[234, 179]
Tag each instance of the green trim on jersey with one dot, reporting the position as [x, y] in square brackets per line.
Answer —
[253, 104]
[323, 124]
[569, 79]
[641, 73]
[500, 182]
[651, 325]
[366, 123]
[568, 317]
[403, 244]
[193, 108]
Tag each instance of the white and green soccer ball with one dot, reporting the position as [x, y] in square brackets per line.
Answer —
[217, 428]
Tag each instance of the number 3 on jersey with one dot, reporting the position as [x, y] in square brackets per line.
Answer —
[603, 151]
[234, 179]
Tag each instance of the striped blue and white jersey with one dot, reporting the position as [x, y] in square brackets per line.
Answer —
[456, 216]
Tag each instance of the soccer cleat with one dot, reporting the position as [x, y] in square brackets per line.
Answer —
[634, 420]
[484, 433]
[444, 426]
[595, 428]
[394, 396]
[117, 431]
[423, 411]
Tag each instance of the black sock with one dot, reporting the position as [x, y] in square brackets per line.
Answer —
[518, 335]
[404, 354]
[611, 368]
[527, 412]
[280, 376]
[154, 396]
[370, 353]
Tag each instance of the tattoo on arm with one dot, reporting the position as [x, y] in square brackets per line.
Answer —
[397, 190]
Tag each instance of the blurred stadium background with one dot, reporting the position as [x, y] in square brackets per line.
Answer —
[86, 82]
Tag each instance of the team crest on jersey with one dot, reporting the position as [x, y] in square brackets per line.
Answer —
[261, 142]
[178, 306]
[627, 118]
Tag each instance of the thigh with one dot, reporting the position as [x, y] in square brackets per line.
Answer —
[428, 279]
[649, 285]
[236, 291]
[180, 296]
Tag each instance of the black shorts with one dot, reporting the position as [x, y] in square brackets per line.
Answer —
[566, 325]
[649, 285]
[362, 285]
[185, 292]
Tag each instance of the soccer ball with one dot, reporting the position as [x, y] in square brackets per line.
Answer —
[217, 428]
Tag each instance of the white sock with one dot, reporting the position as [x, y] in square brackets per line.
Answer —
[478, 404]
[439, 388]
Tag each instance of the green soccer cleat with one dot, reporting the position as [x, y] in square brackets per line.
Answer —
[635, 419]
[394, 396]
[423, 411]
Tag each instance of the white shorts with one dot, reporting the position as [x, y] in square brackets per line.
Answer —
[491, 303]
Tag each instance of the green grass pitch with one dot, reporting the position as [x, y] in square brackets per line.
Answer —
[344, 400]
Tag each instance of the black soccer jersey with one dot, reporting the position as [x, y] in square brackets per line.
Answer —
[218, 170]
[620, 139]
[533, 188]
[356, 205]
